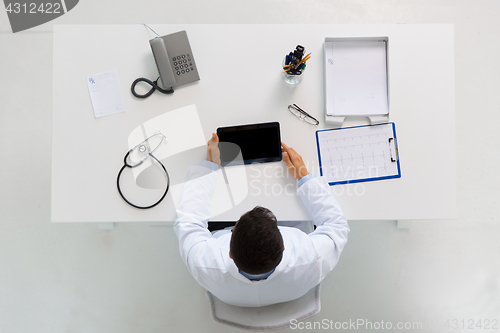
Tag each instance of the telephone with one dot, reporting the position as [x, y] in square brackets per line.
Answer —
[175, 62]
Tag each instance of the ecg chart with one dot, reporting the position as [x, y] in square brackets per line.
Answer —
[357, 154]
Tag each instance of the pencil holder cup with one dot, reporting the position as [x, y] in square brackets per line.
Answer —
[292, 77]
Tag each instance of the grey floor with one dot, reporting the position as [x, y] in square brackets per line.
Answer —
[77, 278]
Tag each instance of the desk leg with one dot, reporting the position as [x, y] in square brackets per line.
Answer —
[404, 224]
[107, 226]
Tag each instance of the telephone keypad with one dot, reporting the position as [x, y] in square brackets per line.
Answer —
[183, 64]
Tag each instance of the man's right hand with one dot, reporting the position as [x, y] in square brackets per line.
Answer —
[294, 162]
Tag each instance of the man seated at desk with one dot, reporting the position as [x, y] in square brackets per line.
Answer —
[259, 263]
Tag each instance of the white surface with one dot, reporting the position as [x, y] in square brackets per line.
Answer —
[356, 153]
[76, 278]
[86, 192]
[184, 133]
[356, 78]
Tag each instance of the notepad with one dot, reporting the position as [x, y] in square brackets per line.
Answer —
[105, 93]
[358, 154]
[356, 80]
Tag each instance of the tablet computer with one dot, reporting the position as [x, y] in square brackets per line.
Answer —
[253, 143]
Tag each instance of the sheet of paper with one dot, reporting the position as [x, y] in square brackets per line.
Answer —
[356, 153]
[105, 93]
[356, 78]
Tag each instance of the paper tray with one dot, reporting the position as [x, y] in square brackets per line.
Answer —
[356, 78]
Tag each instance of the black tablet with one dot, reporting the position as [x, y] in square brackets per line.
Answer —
[252, 143]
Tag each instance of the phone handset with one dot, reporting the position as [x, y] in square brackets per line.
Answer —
[163, 62]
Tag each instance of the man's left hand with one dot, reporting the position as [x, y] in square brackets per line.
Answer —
[213, 152]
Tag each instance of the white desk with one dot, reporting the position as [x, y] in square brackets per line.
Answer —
[241, 83]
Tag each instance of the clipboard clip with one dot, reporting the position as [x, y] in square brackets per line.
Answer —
[394, 149]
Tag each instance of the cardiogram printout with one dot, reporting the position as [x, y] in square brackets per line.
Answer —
[357, 154]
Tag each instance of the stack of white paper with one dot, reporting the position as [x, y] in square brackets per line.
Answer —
[356, 78]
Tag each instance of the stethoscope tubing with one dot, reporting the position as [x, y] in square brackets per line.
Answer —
[127, 165]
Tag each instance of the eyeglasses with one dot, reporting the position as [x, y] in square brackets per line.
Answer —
[302, 115]
[146, 148]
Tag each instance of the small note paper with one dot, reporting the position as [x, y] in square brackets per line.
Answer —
[105, 93]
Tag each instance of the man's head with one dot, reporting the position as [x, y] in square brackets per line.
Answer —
[256, 242]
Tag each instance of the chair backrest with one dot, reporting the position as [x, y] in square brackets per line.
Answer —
[265, 318]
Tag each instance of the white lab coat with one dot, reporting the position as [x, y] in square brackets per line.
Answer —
[306, 258]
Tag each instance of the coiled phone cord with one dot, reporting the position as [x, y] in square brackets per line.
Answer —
[153, 84]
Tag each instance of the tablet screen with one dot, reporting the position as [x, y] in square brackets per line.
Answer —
[250, 143]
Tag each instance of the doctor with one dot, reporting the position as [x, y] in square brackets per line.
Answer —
[259, 263]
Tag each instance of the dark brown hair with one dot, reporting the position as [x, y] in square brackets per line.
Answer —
[256, 242]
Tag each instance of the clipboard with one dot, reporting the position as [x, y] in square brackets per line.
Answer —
[358, 154]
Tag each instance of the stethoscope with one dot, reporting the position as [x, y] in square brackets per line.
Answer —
[143, 148]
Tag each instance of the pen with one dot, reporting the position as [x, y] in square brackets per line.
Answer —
[305, 59]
